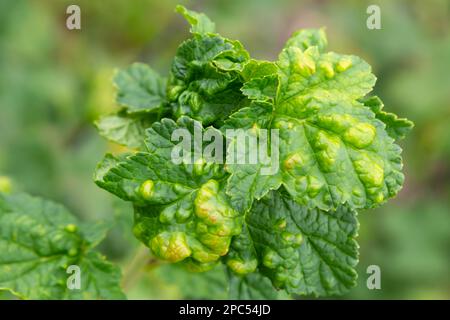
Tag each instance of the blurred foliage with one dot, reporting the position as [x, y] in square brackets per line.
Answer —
[55, 82]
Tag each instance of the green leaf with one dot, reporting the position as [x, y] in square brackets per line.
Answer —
[205, 82]
[125, 129]
[396, 127]
[181, 210]
[199, 22]
[305, 38]
[258, 69]
[39, 240]
[305, 251]
[261, 89]
[253, 286]
[332, 148]
[140, 89]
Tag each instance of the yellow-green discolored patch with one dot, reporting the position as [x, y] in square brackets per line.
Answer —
[336, 122]
[360, 135]
[147, 189]
[294, 239]
[282, 124]
[195, 266]
[378, 197]
[343, 64]
[314, 186]
[216, 222]
[216, 244]
[327, 69]
[327, 150]
[242, 267]
[304, 63]
[209, 205]
[204, 256]
[171, 246]
[370, 170]
[294, 160]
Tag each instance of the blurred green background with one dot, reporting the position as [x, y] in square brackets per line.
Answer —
[55, 82]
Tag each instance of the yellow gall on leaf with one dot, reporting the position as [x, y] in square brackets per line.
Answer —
[242, 267]
[327, 69]
[171, 246]
[294, 160]
[304, 63]
[360, 135]
[369, 171]
[147, 189]
[314, 186]
[343, 64]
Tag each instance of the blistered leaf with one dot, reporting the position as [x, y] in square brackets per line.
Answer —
[181, 210]
[199, 22]
[39, 240]
[261, 89]
[140, 89]
[205, 82]
[304, 251]
[332, 149]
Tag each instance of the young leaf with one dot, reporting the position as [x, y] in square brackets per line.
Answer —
[140, 89]
[125, 129]
[199, 22]
[39, 240]
[305, 38]
[204, 83]
[305, 251]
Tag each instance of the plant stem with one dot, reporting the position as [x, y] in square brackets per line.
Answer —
[133, 270]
